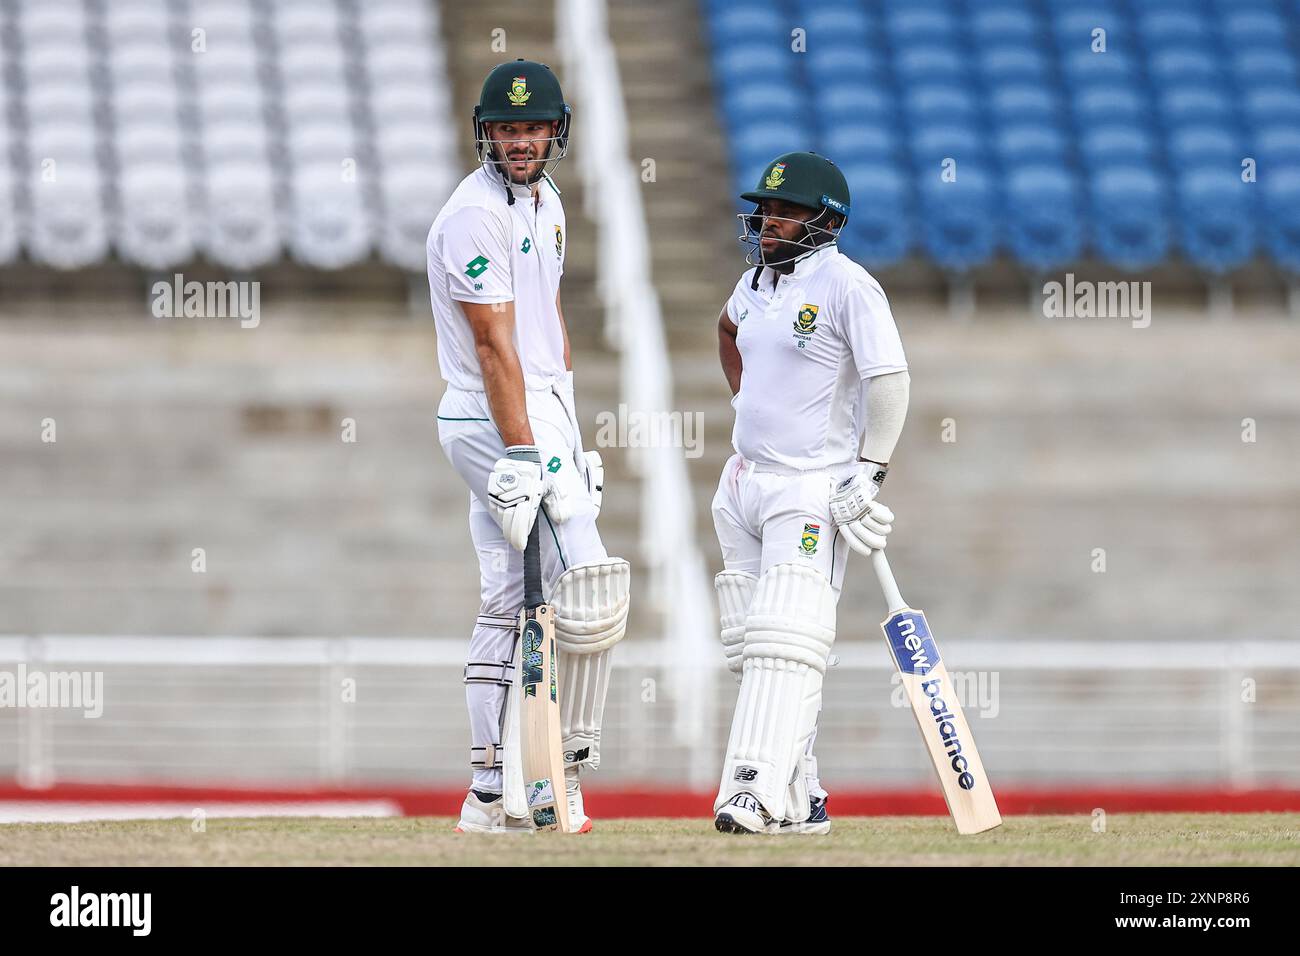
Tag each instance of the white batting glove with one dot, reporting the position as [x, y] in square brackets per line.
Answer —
[595, 475]
[862, 520]
[515, 490]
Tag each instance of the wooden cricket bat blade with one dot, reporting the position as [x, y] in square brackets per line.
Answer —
[543, 756]
[943, 726]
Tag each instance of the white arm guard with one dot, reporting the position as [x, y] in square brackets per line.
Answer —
[886, 407]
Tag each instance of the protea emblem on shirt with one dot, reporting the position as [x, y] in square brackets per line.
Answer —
[775, 176]
[806, 323]
[519, 94]
[808, 542]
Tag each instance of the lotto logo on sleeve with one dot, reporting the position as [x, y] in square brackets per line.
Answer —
[476, 267]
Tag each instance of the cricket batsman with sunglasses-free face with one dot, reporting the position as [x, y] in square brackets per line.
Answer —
[809, 347]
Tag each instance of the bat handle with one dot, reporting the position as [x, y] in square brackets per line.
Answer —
[533, 567]
[885, 576]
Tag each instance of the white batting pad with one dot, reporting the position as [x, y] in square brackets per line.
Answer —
[788, 637]
[591, 604]
[735, 595]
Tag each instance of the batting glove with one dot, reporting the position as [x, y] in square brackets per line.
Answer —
[862, 520]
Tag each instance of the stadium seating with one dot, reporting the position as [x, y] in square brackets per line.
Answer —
[162, 130]
[1145, 142]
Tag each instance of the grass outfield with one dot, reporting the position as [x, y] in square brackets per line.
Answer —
[1151, 839]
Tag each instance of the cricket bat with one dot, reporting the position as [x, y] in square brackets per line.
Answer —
[938, 713]
[539, 708]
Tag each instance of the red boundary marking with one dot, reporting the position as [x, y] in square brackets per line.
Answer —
[630, 802]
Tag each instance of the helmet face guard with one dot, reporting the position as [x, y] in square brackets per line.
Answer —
[815, 236]
[557, 146]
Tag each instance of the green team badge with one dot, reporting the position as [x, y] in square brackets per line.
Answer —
[519, 94]
[553, 465]
[476, 267]
[775, 177]
[559, 241]
[806, 323]
[528, 244]
[808, 543]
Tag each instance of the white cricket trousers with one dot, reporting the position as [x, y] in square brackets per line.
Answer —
[473, 446]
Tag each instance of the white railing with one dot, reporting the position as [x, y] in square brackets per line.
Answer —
[311, 712]
[680, 589]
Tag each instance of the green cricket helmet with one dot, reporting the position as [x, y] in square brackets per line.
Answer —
[804, 179]
[522, 91]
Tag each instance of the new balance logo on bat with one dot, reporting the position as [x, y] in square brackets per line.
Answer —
[948, 732]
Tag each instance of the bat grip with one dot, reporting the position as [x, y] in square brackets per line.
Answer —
[885, 576]
[533, 567]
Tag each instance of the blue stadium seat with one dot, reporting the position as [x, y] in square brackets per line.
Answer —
[1254, 68]
[1281, 222]
[842, 24]
[959, 228]
[1216, 225]
[1044, 228]
[1258, 29]
[1073, 28]
[1206, 145]
[939, 104]
[909, 26]
[1277, 147]
[930, 146]
[1012, 65]
[836, 105]
[1025, 104]
[1272, 106]
[928, 64]
[1084, 66]
[1178, 67]
[1129, 228]
[880, 229]
[742, 63]
[1095, 105]
[759, 102]
[1179, 107]
[1030, 144]
[1004, 25]
[756, 146]
[831, 63]
[860, 142]
[1172, 28]
[1115, 145]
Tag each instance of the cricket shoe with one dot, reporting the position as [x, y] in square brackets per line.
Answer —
[819, 821]
[486, 813]
[744, 814]
[579, 822]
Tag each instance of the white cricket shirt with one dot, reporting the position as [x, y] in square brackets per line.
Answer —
[807, 342]
[482, 248]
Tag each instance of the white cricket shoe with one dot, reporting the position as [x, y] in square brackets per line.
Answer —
[818, 822]
[579, 822]
[489, 816]
[744, 814]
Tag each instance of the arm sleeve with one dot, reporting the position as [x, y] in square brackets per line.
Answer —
[886, 408]
[476, 257]
[869, 330]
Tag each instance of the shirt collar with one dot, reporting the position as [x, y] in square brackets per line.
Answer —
[515, 189]
[812, 261]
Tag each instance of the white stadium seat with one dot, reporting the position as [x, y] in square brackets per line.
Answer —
[142, 103]
[234, 140]
[154, 230]
[67, 228]
[330, 226]
[322, 144]
[9, 225]
[412, 197]
[149, 145]
[142, 62]
[241, 230]
[62, 142]
[61, 102]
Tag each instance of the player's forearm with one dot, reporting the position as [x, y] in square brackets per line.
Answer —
[503, 380]
[729, 354]
[886, 408]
